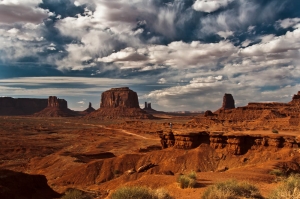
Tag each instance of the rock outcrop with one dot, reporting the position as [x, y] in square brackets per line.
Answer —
[255, 116]
[228, 102]
[21, 106]
[235, 144]
[21, 185]
[119, 103]
[56, 108]
[55, 102]
[89, 109]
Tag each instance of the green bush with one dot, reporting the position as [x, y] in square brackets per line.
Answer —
[289, 188]
[231, 189]
[140, 193]
[187, 181]
[75, 194]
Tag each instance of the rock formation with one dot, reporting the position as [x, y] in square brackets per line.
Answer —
[255, 116]
[56, 108]
[228, 102]
[53, 101]
[20, 185]
[119, 97]
[21, 106]
[89, 109]
[235, 144]
[296, 99]
[119, 103]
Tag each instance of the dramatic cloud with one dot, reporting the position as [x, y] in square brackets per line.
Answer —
[177, 54]
[210, 5]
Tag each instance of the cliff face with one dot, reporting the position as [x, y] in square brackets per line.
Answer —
[119, 97]
[235, 144]
[53, 101]
[21, 106]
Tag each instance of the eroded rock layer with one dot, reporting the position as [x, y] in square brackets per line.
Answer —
[235, 144]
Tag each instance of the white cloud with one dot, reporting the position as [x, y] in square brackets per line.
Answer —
[210, 5]
[162, 81]
[289, 22]
[176, 54]
[81, 102]
[225, 34]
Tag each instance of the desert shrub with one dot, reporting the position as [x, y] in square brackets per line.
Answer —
[231, 189]
[161, 194]
[277, 172]
[140, 193]
[186, 182]
[75, 194]
[192, 175]
[117, 173]
[275, 131]
[289, 188]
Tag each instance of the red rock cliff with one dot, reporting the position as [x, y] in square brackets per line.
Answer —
[53, 101]
[236, 144]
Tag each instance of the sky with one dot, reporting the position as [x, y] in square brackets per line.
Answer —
[177, 54]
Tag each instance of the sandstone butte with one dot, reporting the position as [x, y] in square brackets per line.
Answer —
[119, 103]
[56, 108]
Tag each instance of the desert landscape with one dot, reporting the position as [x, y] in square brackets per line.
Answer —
[50, 151]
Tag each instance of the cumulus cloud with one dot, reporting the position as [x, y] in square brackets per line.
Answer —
[210, 5]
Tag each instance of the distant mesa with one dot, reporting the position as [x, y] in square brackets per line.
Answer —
[56, 108]
[119, 103]
[264, 115]
[21, 106]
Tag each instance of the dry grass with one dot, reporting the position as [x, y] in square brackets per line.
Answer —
[289, 188]
[231, 189]
[187, 181]
[140, 193]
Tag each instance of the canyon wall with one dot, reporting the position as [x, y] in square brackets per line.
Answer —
[235, 144]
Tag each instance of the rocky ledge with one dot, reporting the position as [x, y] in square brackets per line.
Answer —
[236, 144]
